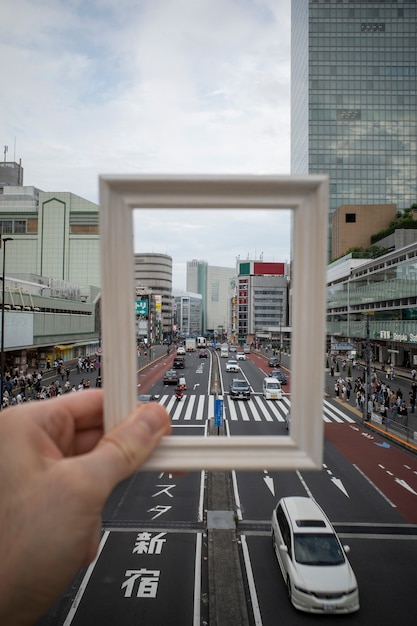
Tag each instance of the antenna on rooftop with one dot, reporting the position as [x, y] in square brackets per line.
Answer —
[5, 151]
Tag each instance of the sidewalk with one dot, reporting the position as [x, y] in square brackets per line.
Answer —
[404, 435]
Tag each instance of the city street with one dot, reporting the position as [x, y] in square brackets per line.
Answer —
[155, 526]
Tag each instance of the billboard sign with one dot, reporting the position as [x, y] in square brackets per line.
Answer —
[141, 307]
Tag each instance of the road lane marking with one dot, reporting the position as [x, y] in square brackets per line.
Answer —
[251, 583]
[197, 580]
[84, 583]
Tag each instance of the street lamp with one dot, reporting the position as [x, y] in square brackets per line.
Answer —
[3, 242]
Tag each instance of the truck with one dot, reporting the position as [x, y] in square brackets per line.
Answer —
[224, 350]
[190, 344]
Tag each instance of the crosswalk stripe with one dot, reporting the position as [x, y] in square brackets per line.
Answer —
[232, 410]
[190, 406]
[200, 408]
[170, 404]
[268, 417]
[273, 406]
[256, 409]
[254, 412]
[244, 411]
[345, 417]
[179, 408]
[335, 417]
[211, 407]
[285, 403]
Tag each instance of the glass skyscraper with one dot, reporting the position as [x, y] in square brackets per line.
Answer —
[354, 98]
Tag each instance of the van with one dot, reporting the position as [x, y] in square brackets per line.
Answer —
[271, 389]
[179, 363]
[312, 560]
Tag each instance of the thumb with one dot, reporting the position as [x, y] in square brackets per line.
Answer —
[125, 448]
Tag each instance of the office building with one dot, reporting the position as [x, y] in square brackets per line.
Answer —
[215, 285]
[187, 313]
[353, 99]
[262, 300]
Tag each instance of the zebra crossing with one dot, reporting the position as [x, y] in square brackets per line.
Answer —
[199, 408]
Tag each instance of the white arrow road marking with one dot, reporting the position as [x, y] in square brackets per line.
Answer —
[196, 385]
[269, 482]
[338, 483]
[405, 485]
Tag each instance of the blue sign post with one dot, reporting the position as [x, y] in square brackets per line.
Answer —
[218, 412]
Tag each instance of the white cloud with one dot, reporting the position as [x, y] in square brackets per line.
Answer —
[134, 86]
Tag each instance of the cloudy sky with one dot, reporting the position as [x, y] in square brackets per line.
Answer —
[94, 87]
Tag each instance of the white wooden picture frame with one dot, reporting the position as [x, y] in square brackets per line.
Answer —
[307, 197]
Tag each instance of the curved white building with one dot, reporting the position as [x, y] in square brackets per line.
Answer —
[154, 272]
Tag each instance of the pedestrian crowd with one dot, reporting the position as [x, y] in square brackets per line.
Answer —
[86, 364]
[383, 399]
[25, 387]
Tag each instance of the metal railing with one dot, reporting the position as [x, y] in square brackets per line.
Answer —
[396, 428]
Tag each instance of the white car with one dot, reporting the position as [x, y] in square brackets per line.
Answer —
[240, 356]
[313, 562]
[180, 350]
[232, 366]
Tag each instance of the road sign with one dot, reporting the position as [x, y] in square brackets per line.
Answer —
[141, 307]
[218, 412]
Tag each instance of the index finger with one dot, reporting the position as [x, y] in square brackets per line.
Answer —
[83, 408]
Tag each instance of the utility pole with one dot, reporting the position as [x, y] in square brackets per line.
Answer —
[367, 368]
[3, 241]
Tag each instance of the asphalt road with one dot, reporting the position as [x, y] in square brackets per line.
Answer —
[367, 486]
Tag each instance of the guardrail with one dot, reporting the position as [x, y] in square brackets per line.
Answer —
[396, 430]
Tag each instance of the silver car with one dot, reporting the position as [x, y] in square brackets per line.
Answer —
[232, 366]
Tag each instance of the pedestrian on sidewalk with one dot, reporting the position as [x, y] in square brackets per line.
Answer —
[348, 390]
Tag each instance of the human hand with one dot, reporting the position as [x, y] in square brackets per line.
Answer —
[57, 469]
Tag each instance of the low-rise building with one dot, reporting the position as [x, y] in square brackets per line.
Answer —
[381, 292]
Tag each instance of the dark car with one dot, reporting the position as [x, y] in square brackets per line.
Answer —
[273, 361]
[203, 354]
[279, 375]
[239, 388]
[170, 377]
[179, 363]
